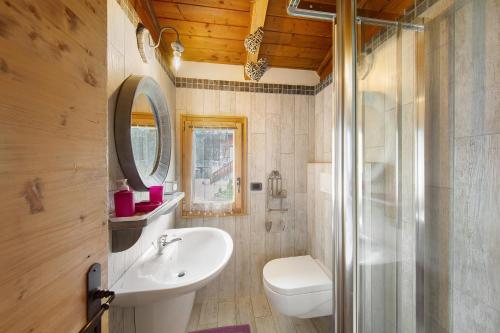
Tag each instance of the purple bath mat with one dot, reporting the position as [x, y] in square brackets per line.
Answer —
[227, 329]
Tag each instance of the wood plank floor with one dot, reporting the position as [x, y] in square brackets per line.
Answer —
[255, 311]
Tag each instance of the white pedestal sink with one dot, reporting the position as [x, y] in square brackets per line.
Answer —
[162, 287]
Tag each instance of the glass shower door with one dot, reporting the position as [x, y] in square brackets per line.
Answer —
[386, 116]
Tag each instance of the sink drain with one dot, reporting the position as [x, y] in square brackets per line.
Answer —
[181, 274]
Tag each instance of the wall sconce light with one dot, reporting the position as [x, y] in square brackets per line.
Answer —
[146, 45]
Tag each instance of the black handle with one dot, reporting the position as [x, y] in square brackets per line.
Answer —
[95, 321]
[95, 307]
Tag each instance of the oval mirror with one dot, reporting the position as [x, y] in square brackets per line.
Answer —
[144, 136]
[142, 132]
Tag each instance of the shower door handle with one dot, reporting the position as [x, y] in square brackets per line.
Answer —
[238, 184]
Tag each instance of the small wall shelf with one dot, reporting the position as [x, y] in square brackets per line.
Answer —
[125, 231]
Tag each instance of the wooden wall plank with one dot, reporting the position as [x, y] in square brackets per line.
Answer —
[208, 43]
[243, 5]
[215, 56]
[291, 25]
[294, 39]
[206, 30]
[52, 139]
[201, 14]
[290, 62]
[291, 51]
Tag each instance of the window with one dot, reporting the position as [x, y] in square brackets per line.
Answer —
[214, 159]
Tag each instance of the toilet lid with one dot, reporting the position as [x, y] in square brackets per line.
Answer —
[296, 275]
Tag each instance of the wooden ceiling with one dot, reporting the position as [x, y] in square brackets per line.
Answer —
[214, 30]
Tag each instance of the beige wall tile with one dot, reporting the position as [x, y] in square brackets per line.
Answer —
[301, 158]
[287, 124]
[243, 103]
[211, 102]
[311, 129]
[301, 113]
[273, 103]
[257, 121]
[228, 103]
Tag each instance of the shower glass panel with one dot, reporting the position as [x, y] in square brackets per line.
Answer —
[415, 226]
[387, 147]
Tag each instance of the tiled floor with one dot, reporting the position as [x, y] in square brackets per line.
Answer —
[255, 311]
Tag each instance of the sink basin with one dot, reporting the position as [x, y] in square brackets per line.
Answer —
[183, 267]
[164, 285]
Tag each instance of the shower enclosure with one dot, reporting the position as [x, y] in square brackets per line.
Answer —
[415, 128]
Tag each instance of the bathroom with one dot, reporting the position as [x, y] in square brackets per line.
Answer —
[321, 166]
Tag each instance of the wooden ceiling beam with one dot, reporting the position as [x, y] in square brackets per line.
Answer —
[257, 19]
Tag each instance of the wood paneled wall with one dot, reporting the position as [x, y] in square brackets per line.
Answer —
[53, 161]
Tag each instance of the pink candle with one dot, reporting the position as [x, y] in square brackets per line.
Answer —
[156, 193]
[124, 203]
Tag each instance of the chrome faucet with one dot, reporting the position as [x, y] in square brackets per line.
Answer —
[163, 242]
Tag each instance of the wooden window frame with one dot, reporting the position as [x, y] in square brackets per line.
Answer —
[143, 119]
[188, 122]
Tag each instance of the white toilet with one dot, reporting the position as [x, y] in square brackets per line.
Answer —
[299, 287]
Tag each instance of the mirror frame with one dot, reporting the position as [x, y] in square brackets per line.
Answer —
[131, 88]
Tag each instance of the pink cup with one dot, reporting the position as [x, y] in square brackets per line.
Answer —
[156, 193]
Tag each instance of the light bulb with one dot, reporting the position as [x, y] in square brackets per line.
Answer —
[177, 60]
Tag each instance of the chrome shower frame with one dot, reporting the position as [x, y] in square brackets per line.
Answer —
[346, 190]
[294, 10]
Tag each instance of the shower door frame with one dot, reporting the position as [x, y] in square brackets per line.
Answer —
[346, 199]
[344, 171]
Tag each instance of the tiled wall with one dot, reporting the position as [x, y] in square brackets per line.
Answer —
[321, 145]
[468, 181]
[461, 256]
[279, 127]
[124, 60]
[440, 166]
[319, 213]
[386, 108]
[319, 207]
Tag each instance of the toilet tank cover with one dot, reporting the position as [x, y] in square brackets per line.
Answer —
[296, 275]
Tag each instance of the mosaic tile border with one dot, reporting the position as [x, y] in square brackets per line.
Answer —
[183, 82]
[323, 84]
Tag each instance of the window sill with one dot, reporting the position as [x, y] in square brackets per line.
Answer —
[197, 215]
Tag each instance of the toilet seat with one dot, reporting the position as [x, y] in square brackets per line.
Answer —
[296, 275]
[298, 287]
